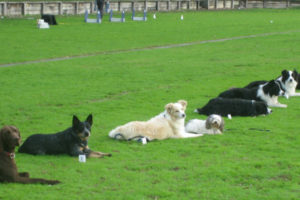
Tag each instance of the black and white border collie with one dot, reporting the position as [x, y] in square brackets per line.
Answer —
[234, 107]
[267, 92]
[288, 81]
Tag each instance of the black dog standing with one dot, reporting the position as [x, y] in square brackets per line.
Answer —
[72, 141]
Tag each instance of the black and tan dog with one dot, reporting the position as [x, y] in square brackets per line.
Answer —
[9, 139]
[73, 141]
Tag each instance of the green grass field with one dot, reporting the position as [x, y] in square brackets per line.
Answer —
[255, 158]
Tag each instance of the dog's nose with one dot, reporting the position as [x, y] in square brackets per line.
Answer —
[183, 115]
[86, 134]
[291, 80]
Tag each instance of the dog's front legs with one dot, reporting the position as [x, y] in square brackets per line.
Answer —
[76, 150]
[296, 94]
[95, 154]
[279, 105]
[26, 180]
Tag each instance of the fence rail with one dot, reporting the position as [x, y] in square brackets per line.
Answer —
[79, 7]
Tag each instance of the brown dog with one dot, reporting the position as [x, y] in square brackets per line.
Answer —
[9, 139]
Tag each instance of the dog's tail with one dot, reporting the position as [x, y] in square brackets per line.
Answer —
[198, 110]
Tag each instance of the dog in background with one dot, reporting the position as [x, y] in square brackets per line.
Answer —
[298, 84]
[10, 138]
[214, 124]
[168, 124]
[267, 92]
[234, 107]
[72, 141]
[288, 82]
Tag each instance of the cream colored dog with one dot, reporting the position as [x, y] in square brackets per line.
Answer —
[168, 124]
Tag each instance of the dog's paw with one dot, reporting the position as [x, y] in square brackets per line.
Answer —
[286, 96]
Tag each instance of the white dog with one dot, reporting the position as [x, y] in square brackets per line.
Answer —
[168, 124]
[214, 124]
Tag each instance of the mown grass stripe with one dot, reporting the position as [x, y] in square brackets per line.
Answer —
[147, 48]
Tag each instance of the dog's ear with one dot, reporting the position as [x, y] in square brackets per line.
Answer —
[169, 107]
[295, 71]
[89, 119]
[208, 122]
[295, 75]
[76, 121]
[183, 103]
[284, 73]
[222, 125]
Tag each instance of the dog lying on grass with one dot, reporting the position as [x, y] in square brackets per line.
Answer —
[214, 124]
[234, 107]
[72, 141]
[288, 81]
[9, 139]
[268, 93]
[168, 124]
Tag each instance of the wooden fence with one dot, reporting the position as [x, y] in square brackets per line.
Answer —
[79, 7]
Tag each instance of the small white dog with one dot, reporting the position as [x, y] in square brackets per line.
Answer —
[168, 124]
[214, 124]
[42, 24]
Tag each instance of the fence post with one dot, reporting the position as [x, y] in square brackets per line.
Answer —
[76, 8]
[232, 2]
[5, 9]
[60, 8]
[216, 4]
[23, 12]
[42, 8]
[288, 3]
[145, 4]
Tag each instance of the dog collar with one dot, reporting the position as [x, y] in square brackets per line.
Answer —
[11, 155]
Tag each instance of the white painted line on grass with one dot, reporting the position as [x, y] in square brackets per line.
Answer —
[146, 48]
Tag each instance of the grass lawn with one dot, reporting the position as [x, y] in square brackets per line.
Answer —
[255, 158]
